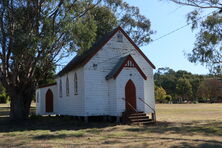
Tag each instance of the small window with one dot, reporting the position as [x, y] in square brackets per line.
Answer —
[75, 84]
[119, 37]
[60, 88]
[67, 86]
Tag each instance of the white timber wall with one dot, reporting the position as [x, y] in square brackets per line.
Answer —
[71, 104]
[149, 97]
[40, 102]
[97, 89]
[112, 97]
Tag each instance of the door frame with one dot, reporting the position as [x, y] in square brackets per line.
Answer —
[130, 97]
[49, 101]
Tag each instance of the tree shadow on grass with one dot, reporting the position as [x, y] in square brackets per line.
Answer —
[201, 145]
[57, 136]
[211, 128]
[52, 123]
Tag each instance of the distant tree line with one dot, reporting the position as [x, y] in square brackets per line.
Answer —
[184, 87]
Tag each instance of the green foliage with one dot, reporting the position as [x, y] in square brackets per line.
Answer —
[207, 49]
[165, 78]
[160, 94]
[84, 33]
[105, 20]
[105, 17]
[208, 45]
[210, 89]
[3, 96]
[187, 86]
[168, 98]
[184, 88]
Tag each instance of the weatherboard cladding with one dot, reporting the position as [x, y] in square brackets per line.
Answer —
[82, 59]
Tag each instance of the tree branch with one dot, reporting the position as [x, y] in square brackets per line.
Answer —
[197, 4]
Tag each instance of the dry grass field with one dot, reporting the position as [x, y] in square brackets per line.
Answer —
[179, 125]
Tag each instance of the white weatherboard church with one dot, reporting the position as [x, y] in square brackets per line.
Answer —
[112, 77]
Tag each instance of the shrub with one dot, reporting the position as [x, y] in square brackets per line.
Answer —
[4, 98]
[168, 98]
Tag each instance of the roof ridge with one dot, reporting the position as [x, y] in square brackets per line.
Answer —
[80, 60]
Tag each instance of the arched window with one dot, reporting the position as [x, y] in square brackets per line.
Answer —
[75, 84]
[60, 88]
[67, 86]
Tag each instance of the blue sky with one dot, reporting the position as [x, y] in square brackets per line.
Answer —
[169, 51]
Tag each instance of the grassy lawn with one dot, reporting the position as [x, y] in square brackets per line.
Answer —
[179, 125]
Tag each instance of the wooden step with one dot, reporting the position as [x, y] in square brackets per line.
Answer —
[138, 114]
[140, 120]
[138, 117]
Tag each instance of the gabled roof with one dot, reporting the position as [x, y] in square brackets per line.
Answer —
[121, 64]
[81, 60]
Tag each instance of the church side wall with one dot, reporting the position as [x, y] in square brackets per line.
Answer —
[112, 99]
[71, 104]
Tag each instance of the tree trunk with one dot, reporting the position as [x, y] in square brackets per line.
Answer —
[20, 104]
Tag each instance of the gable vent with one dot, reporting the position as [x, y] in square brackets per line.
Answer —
[119, 37]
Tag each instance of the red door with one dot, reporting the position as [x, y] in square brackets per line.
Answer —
[130, 94]
[49, 101]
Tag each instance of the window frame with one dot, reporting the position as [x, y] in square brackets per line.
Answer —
[60, 88]
[67, 85]
[75, 84]
[37, 97]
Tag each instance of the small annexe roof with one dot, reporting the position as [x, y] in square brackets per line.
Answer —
[121, 64]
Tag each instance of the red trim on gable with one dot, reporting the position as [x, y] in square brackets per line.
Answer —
[131, 41]
[135, 64]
